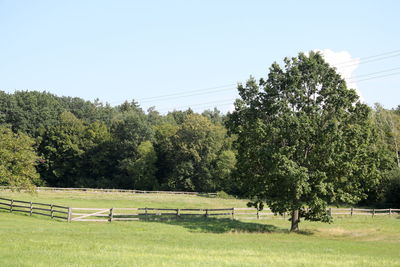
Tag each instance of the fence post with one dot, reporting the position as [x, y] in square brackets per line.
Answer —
[69, 214]
[11, 206]
[233, 213]
[206, 213]
[145, 214]
[178, 213]
[111, 214]
[258, 215]
[373, 212]
[51, 211]
[351, 211]
[390, 211]
[30, 208]
[330, 211]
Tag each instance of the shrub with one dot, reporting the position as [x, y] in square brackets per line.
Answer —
[224, 195]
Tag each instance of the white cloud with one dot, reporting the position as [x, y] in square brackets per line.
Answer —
[345, 65]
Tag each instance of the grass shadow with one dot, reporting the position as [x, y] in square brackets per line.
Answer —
[305, 232]
[219, 225]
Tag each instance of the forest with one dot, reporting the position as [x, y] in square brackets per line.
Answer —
[48, 140]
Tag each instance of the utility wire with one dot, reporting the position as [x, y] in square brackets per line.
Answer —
[188, 95]
[196, 90]
[367, 61]
[217, 91]
[223, 102]
[202, 106]
[221, 88]
[377, 77]
[363, 60]
[387, 54]
[373, 73]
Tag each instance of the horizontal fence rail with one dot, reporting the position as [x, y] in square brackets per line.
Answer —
[43, 209]
[95, 190]
[134, 214]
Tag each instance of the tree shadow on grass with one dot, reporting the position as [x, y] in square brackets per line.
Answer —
[219, 225]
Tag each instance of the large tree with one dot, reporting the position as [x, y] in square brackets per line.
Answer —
[195, 153]
[304, 140]
[75, 154]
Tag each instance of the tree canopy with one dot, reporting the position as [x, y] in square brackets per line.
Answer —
[304, 139]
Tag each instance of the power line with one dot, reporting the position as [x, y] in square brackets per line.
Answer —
[212, 102]
[351, 80]
[223, 102]
[186, 92]
[373, 73]
[387, 54]
[188, 95]
[377, 77]
[368, 61]
[221, 88]
[226, 89]
[202, 106]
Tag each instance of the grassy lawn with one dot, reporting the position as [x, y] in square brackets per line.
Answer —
[124, 200]
[38, 241]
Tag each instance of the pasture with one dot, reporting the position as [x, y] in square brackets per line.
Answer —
[39, 241]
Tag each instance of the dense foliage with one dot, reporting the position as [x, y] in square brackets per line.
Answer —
[302, 128]
[304, 140]
[18, 160]
[85, 144]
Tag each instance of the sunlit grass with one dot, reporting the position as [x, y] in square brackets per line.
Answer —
[124, 200]
[39, 241]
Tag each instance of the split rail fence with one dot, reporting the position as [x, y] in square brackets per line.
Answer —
[49, 210]
[133, 214]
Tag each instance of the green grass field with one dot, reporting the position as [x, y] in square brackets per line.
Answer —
[39, 241]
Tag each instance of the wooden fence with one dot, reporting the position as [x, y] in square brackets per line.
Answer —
[94, 190]
[133, 214]
[49, 210]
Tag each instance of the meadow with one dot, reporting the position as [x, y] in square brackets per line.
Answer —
[39, 241]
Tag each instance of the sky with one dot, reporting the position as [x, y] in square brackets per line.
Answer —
[176, 54]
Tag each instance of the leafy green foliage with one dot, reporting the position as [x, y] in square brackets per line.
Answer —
[388, 125]
[17, 160]
[143, 169]
[304, 139]
[224, 195]
[29, 112]
[65, 147]
[195, 149]
[224, 167]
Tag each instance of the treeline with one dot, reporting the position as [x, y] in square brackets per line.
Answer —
[69, 142]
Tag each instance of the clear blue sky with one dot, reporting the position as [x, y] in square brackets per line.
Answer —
[117, 50]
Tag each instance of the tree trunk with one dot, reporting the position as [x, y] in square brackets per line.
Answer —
[295, 221]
